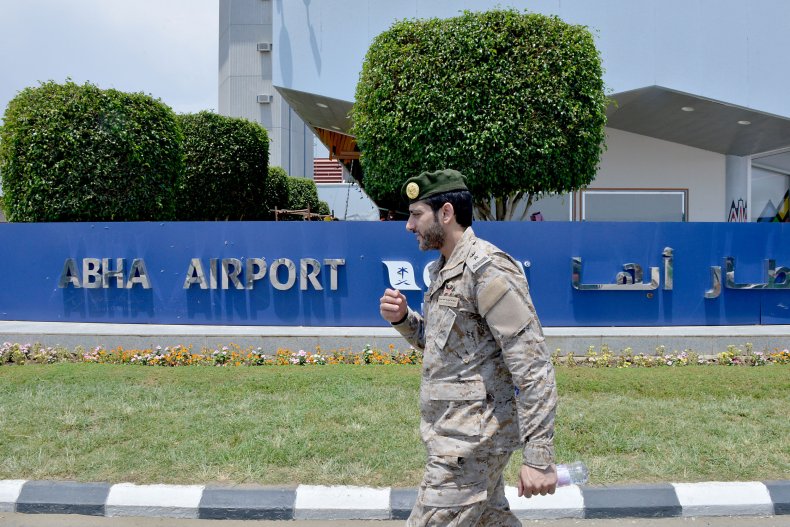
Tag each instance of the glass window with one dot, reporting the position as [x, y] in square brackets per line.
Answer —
[552, 208]
[770, 195]
[634, 205]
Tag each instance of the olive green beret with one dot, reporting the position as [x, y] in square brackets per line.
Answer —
[428, 184]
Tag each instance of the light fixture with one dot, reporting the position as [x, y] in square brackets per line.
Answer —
[688, 108]
[321, 105]
[744, 123]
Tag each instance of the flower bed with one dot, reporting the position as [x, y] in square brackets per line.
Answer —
[233, 355]
[734, 356]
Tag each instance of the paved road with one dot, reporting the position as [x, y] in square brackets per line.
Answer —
[8, 519]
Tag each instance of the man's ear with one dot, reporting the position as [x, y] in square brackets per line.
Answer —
[447, 212]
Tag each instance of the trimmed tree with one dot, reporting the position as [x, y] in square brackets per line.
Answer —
[73, 152]
[514, 101]
[226, 168]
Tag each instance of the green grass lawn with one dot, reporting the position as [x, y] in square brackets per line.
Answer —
[358, 424]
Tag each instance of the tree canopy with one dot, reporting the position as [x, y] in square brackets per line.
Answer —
[515, 101]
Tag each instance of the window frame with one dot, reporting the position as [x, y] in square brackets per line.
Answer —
[582, 193]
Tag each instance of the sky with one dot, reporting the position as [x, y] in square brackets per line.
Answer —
[164, 48]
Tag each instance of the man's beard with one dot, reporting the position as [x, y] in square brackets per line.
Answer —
[433, 237]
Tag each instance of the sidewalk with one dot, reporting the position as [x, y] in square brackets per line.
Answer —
[704, 340]
[306, 502]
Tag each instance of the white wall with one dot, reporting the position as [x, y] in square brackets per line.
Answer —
[636, 161]
[348, 202]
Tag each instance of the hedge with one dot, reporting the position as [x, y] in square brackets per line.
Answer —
[303, 194]
[226, 168]
[276, 190]
[73, 152]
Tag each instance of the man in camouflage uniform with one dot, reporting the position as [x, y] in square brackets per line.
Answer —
[487, 380]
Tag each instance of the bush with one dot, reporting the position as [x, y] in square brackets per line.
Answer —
[276, 190]
[303, 194]
[73, 152]
[517, 105]
[323, 208]
[226, 160]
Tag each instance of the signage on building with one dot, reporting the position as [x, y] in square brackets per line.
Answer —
[332, 274]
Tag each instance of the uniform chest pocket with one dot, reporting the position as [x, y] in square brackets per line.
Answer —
[443, 329]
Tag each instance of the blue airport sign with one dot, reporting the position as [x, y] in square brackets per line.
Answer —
[332, 274]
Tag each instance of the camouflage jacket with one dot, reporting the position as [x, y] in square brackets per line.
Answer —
[487, 378]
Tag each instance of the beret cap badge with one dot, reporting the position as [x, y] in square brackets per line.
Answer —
[429, 184]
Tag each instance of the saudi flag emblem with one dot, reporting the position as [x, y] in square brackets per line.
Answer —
[401, 275]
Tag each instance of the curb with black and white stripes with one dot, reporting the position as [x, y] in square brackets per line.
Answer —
[353, 503]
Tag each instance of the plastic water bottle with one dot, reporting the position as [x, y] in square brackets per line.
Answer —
[575, 473]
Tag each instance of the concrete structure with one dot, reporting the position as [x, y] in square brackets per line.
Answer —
[246, 49]
[701, 131]
[312, 502]
[704, 340]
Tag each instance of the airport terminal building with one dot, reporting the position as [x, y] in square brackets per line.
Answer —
[700, 131]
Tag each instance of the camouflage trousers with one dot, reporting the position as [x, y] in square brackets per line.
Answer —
[463, 492]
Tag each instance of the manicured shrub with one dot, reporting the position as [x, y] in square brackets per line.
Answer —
[226, 160]
[323, 208]
[303, 194]
[276, 190]
[73, 152]
[514, 101]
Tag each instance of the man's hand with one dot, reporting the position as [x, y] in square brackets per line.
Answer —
[533, 481]
[393, 306]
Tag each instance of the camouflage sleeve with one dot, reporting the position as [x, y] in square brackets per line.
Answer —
[505, 303]
[412, 328]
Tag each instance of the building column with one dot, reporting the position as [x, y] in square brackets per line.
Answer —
[246, 90]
